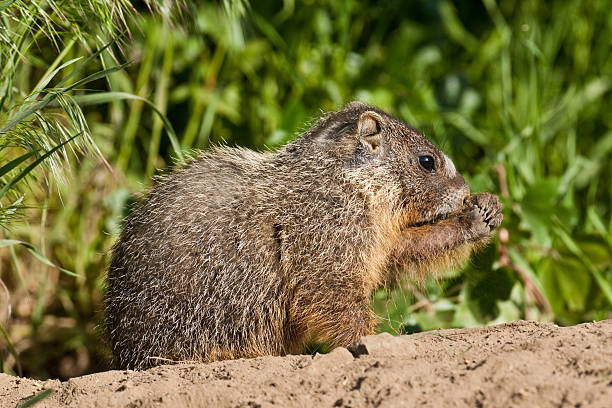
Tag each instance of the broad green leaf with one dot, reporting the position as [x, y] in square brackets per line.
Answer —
[508, 312]
[574, 281]
[551, 287]
[483, 295]
[596, 249]
[519, 259]
[537, 207]
[604, 284]
[464, 316]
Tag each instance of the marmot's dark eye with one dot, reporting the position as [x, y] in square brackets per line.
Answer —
[427, 162]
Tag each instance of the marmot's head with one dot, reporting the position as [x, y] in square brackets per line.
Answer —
[373, 145]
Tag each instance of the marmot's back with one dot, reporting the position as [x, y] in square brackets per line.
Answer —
[179, 275]
[242, 254]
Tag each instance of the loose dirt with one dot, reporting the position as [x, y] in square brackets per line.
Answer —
[524, 364]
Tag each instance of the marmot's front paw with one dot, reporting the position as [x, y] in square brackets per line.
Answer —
[485, 213]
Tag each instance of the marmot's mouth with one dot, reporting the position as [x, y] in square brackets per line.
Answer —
[433, 215]
[436, 218]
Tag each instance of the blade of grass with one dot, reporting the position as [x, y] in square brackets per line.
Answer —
[39, 306]
[16, 162]
[27, 110]
[11, 348]
[460, 122]
[81, 67]
[455, 28]
[133, 121]
[32, 249]
[93, 77]
[52, 70]
[32, 165]
[603, 284]
[208, 120]
[17, 267]
[106, 97]
[161, 102]
[6, 4]
[202, 95]
[35, 399]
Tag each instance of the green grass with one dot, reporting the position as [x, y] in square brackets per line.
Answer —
[517, 93]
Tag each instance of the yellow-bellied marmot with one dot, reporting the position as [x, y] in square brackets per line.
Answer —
[242, 254]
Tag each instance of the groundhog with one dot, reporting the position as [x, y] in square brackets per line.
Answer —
[244, 254]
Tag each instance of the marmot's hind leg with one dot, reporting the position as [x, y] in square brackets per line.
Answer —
[340, 324]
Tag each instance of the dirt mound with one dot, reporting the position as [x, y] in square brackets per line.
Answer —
[515, 364]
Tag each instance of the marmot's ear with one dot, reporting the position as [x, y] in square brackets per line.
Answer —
[370, 130]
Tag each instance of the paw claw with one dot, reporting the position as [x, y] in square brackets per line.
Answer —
[486, 214]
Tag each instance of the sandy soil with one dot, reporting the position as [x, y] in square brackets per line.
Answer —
[516, 364]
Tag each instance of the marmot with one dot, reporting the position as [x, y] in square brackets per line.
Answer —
[244, 254]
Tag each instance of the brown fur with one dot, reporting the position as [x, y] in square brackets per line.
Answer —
[242, 254]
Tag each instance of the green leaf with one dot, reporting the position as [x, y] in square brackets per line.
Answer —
[94, 77]
[518, 258]
[85, 64]
[464, 316]
[604, 284]
[595, 248]
[537, 207]
[16, 162]
[11, 347]
[32, 249]
[6, 4]
[45, 81]
[106, 97]
[482, 296]
[35, 399]
[508, 312]
[574, 281]
[32, 165]
[467, 128]
[551, 287]
[32, 108]
[481, 264]
[542, 195]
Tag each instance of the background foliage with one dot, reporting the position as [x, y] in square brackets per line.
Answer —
[517, 93]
